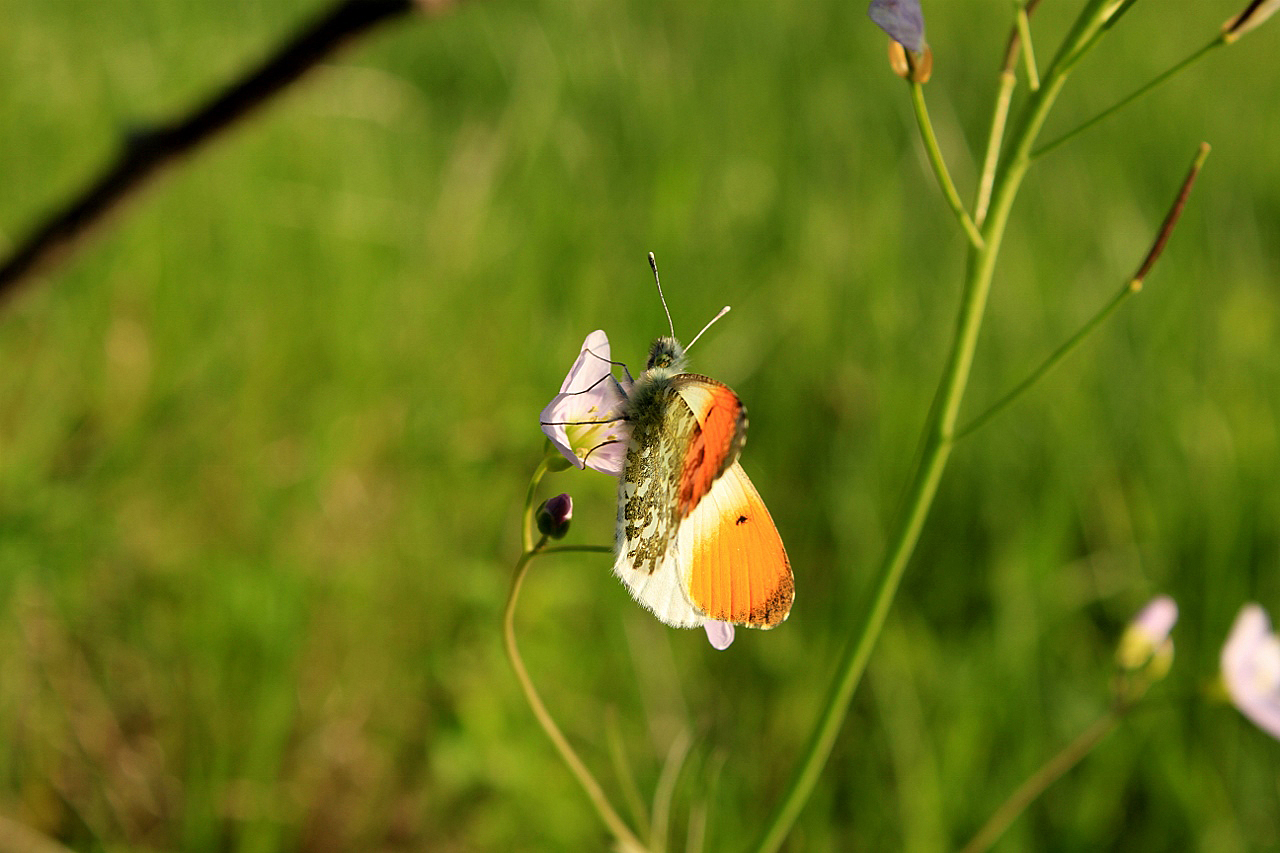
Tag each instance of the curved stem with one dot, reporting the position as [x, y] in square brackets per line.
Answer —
[625, 837]
[940, 166]
[527, 526]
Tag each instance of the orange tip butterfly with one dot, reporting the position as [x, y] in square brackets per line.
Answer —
[695, 543]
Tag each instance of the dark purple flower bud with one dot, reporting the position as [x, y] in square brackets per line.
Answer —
[902, 20]
[554, 515]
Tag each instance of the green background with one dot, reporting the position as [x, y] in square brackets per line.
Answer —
[264, 443]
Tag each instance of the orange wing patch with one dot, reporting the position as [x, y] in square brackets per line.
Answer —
[721, 433]
[737, 569]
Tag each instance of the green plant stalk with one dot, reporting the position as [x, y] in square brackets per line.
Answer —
[1056, 356]
[1053, 770]
[939, 437]
[527, 526]
[999, 117]
[1218, 41]
[1028, 53]
[1132, 286]
[940, 166]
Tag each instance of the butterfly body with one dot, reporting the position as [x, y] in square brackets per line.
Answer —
[694, 540]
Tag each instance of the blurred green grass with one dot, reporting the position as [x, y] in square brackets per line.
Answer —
[263, 446]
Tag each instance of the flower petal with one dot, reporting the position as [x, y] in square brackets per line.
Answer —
[1148, 634]
[593, 362]
[902, 20]
[719, 634]
[582, 420]
[1157, 619]
[1251, 669]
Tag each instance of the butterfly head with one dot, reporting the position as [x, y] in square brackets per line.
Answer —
[666, 355]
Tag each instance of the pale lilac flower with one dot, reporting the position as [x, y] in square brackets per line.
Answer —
[1251, 668]
[902, 20]
[1146, 639]
[583, 420]
[554, 515]
[719, 634]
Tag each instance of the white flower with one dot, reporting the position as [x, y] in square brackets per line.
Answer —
[1251, 668]
[583, 421]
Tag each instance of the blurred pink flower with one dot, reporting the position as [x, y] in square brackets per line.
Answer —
[719, 634]
[1147, 636]
[1251, 668]
[584, 420]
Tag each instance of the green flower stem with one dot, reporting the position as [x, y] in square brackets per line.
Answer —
[1053, 770]
[938, 439]
[940, 165]
[1132, 286]
[1060, 353]
[527, 526]
[626, 839]
[999, 117]
[1218, 41]
[1028, 53]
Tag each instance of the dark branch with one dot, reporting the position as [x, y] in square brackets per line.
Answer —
[1171, 218]
[146, 153]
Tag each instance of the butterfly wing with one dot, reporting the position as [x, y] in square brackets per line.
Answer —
[735, 568]
[662, 429]
[694, 538]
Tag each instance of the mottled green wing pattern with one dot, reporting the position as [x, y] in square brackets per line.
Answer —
[650, 485]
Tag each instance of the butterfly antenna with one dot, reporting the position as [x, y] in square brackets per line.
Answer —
[723, 311]
[653, 262]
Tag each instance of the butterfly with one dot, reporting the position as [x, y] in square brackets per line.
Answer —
[694, 539]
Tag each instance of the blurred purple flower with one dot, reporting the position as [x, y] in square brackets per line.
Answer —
[1251, 668]
[719, 634]
[902, 20]
[1147, 636]
[584, 420]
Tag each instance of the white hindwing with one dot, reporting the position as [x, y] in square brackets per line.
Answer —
[647, 548]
